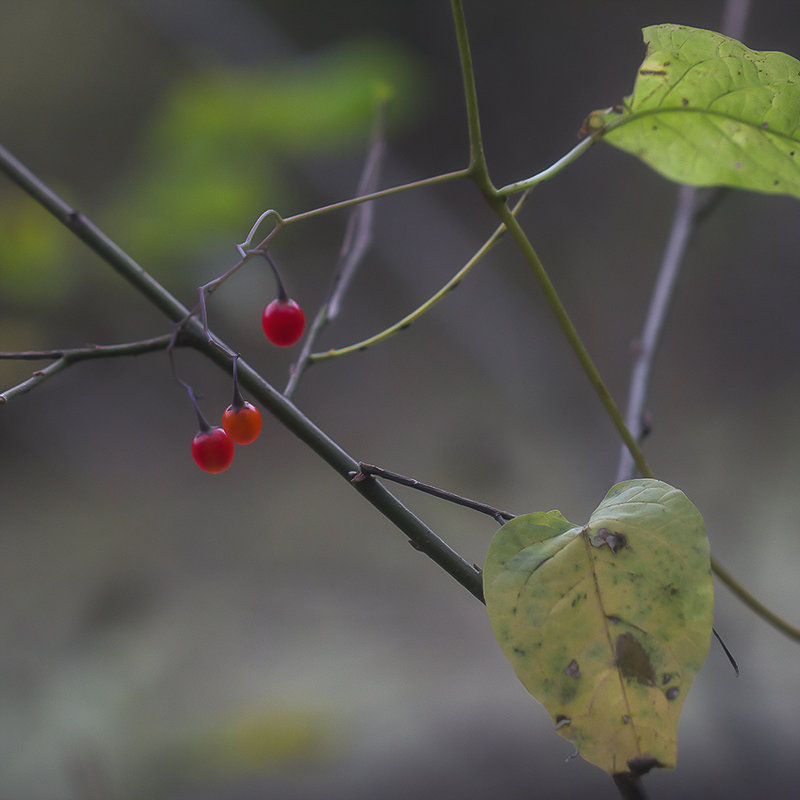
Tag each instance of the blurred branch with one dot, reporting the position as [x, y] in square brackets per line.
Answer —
[573, 337]
[357, 238]
[682, 226]
[690, 208]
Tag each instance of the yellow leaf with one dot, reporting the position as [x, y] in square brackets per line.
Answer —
[606, 624]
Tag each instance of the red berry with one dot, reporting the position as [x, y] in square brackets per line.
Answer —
[283, 322]
[242, 423]
[212, 450]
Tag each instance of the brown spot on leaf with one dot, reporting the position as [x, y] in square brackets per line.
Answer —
[632, 660]
[573, 670]
[614, 540]
[685, 101]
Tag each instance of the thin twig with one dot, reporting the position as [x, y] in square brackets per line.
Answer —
[357, 238]
[68, 356]
[358, 234]
[367, 470]
[413, 316]
[681, 230]
[423, 183]
[551, 171]
[572, 335]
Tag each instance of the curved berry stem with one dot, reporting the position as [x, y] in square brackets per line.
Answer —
[238, 400]
[283, 295]
[202, 422]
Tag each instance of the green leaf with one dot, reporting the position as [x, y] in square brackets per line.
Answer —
[708, 111]
[607, 623]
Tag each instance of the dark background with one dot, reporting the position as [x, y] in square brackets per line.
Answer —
[264, 632]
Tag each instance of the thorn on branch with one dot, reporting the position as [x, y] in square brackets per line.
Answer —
[75, 219]
[357, 476]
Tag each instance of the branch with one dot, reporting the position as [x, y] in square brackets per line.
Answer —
[67, 357]
[367, 470]
[477, 159]
[423, 183]
[290, 416]
[680, 233]
[357, 238]
[573, 337]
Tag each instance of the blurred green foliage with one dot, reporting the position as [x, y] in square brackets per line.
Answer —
[31, 249]
[213, 158]
[251, 742]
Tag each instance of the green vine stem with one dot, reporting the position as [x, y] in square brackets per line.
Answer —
[573, 337]
[551, 171]
[753, 604]
[428, 304]
[478, 168]
[423, 183]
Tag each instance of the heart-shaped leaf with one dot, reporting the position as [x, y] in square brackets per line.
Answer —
[607, 623]
[708, 111]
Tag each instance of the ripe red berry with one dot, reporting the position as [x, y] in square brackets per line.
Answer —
[242, 423]
[212, 450]
[283, 322]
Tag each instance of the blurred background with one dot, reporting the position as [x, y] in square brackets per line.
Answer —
[264, 632]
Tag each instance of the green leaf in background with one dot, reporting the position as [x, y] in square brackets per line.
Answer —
[215, 154]
[32, 250]
[607, 623]
[708, 111]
